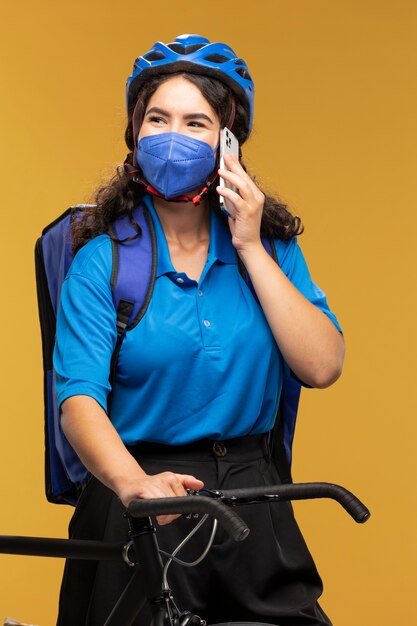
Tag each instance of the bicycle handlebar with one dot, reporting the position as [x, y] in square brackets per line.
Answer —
[304, 491]
[231, 522]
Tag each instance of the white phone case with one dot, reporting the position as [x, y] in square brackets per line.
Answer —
[228, 145]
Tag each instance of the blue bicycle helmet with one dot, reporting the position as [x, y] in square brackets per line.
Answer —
[195, 54]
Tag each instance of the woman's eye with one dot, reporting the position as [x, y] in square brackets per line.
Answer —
[196, 124]
[156, 119]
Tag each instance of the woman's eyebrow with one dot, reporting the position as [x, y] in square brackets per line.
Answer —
[198, 116]
[189, 116]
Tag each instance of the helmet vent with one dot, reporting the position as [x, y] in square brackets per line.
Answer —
[216, 58]
[156, 55]
[179, 49]
[243, 72]
[240, 62]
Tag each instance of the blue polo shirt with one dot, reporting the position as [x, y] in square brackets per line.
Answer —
[201, 363]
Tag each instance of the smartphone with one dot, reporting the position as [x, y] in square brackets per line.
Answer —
[228, 145]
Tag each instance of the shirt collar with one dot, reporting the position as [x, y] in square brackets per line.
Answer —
[220, 248]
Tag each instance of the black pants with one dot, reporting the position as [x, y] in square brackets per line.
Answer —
[270, 577]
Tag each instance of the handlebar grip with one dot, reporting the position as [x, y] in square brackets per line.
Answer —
[307, 491]
[227, 518]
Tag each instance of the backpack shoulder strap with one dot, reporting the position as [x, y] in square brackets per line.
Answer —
[139, 252]
[134, 245]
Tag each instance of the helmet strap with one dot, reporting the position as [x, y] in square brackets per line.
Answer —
[128, 166]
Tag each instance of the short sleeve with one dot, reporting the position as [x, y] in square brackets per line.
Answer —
[294, 266]
[86, 325]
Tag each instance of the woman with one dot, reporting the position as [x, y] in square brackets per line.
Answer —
[206, 362]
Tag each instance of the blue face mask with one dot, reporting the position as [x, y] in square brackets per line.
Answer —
[175, 164]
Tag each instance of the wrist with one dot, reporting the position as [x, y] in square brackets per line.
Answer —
[251, 253]
[123, 480]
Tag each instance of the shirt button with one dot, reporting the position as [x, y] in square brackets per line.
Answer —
[180, 280]
[206, 323]
[200, 293]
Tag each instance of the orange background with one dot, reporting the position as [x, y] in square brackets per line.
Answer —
[335, 136]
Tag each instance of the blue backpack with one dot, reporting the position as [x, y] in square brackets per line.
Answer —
[65, 475]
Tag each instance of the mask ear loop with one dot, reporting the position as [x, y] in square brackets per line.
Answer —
[232, 115]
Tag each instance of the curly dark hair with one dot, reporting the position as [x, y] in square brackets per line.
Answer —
[122, 194]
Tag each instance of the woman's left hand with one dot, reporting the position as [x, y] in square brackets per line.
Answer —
[245, 207]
